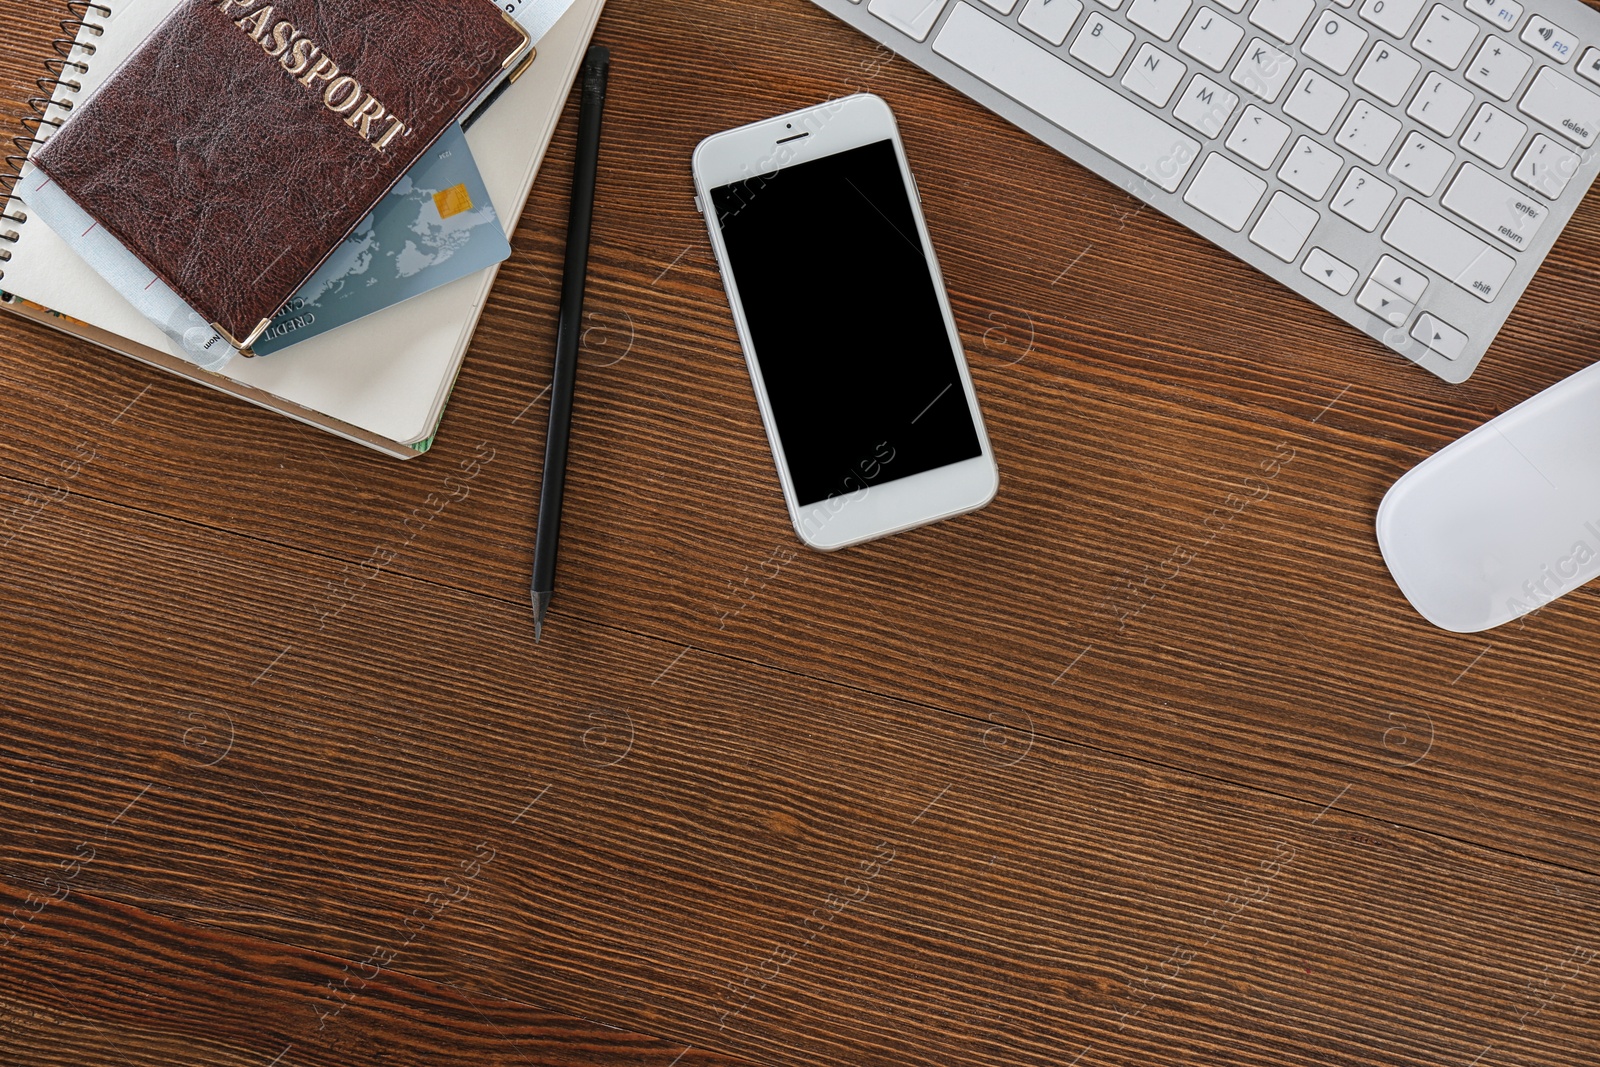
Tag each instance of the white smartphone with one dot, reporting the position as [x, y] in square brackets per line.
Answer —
[840, 307]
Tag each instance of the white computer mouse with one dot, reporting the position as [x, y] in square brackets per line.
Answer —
[1504, 520]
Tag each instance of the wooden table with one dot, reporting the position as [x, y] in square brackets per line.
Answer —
[1148, 763]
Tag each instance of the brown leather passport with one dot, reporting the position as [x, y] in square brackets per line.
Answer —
[243, 141]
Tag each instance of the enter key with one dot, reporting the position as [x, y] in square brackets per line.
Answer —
[1512, 215]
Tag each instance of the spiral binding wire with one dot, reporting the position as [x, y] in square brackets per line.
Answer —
[61, 80]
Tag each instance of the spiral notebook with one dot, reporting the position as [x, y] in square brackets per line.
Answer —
[381, 382]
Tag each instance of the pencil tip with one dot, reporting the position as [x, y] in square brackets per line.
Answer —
[541, 604]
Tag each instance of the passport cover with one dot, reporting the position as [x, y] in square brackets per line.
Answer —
[241, 143]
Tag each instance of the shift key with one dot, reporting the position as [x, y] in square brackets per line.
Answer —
[1441, 245]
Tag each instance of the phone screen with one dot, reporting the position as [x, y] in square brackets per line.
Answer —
[847, 326]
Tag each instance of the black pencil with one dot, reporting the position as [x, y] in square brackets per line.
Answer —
[596, 66]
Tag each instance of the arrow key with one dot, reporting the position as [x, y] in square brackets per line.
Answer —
[1335, 274]
[1400, 279]
[1393, 309]
[1439, 336]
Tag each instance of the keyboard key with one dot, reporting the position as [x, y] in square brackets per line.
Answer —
[1210, 39]
[1493, 136]
[1112, 4]
[1564, 106]
[1002, 6]
[914, 18]
[1439, 336]
[1440, 104]
[1284, 227]
[1263, 70]
[1390, 307]
[1503, 13]
[1284, 19]
[1316, 101]
[1206, 106]
[1393, 17]
[1421, 164]
[1235, 6]
[1310, 168]
[1160, 17]
[1258, 137]
[1589, 66]
[1088, 110]
[1400, 279]
[1387, 73]
[1444, 247]
[1546, 167]
[1225, 191]
[1362, 199]
[1550, 39]
[1327, 270]
[1334, 43]
[1101, 44]
[1154, 75]
[1051, 19]
[1498, 68]
[1495, 207]
[1445, 37]
[1368, 132]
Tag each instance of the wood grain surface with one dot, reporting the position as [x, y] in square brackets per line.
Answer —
[1149, 763]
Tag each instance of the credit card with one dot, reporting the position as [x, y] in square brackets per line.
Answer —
[434, 226]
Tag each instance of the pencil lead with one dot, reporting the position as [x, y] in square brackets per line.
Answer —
[541, 604]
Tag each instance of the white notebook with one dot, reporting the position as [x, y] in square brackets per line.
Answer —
[382, 381]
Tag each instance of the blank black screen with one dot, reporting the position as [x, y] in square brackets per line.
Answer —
[846, 322]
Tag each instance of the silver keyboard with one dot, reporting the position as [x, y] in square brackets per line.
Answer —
[1406, 164]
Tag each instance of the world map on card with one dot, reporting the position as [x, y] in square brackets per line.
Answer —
[436, 225]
